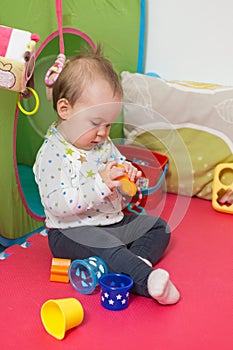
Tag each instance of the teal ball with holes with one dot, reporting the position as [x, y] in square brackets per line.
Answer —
[84, 274]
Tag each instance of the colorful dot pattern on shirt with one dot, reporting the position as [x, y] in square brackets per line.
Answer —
[72, 191]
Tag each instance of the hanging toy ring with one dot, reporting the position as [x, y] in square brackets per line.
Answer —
[54, 71]
[37, 103]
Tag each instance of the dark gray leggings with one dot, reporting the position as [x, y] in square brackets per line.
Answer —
[119, 245]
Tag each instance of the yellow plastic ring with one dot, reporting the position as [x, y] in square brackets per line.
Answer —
[37, 103]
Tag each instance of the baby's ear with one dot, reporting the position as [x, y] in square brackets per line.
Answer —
[63, 108]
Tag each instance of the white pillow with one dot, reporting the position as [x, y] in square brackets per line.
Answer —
[190, 122]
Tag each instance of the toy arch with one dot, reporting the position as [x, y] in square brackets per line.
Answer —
[29, 131]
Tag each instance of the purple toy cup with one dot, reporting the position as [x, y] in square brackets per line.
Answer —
[115, 291]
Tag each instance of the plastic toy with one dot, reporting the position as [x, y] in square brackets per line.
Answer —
[84, 274]
[131, 189]
[60, 315]
[59, 270]
[115, 291]
[154, 168]
[223, 181]
[37, 102]
[127, 186]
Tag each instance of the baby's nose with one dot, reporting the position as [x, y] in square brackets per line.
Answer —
[102, 130]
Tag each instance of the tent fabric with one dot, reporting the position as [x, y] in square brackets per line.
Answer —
[115, 24]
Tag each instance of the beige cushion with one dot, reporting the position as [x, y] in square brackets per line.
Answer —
[191, 123]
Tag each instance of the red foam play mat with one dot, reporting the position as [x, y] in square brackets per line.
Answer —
[199, 259]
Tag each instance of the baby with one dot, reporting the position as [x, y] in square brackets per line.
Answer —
[77, 174]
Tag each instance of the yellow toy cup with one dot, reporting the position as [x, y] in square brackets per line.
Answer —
[60, 315]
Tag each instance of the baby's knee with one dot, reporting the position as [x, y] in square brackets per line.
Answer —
[163, 225]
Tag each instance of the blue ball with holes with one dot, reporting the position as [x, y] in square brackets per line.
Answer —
[84, 274]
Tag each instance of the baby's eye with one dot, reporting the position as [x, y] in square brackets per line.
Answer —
[94, 123]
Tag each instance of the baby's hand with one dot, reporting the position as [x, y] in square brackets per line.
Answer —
[110, 172]
[132, 171]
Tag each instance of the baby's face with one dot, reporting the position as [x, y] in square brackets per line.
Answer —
[92, 115]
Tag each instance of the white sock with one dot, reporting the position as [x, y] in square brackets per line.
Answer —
[161, 288]
[146, 261]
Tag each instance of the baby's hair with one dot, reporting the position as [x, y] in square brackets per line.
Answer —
[81, 70]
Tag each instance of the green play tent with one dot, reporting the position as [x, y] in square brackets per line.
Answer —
[119, 26]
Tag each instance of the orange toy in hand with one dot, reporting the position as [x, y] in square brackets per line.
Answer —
[127, 186]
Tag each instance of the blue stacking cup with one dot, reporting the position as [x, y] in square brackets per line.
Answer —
[84, 274]
[115, 290]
